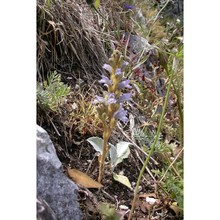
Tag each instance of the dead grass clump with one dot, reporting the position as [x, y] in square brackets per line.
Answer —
[67, 41]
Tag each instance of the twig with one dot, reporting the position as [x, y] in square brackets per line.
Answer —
[108, 196]
[136, 164]
[161, 10]
[146, 166]
[97, 153]
[156, 163]
[174, 169]
[171, 165]
[54, 127]
[80, 153]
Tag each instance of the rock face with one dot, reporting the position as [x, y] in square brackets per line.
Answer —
[174, 10]
[57, 195]
[44, 211]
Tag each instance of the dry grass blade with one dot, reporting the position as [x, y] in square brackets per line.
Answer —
[67, 40]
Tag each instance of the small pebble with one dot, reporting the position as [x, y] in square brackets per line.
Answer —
[140, 188]
[123, 207]
[151, 201]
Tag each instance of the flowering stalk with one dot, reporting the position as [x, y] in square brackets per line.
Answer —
[110, 107]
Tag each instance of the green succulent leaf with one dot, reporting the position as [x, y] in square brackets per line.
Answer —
[119, 152]
[122, 179]
[96, 142]
[123, 150]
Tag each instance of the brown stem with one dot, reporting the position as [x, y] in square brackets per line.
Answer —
[106, 136]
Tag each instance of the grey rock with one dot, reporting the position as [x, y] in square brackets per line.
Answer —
[138, 43]
[174, 10]
[45, 148]
[53, 186]
[44, 212]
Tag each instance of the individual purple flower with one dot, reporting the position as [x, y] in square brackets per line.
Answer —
[121, 114]
[105, 80]
[124, 84]
[98, 99]
[109, 100]
[107, 67]
[118, 71]
[124, 97]
[127, 6]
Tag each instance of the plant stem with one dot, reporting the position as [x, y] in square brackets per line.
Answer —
[179, 105]
[106, 136]
[180, 114]
[153, 145]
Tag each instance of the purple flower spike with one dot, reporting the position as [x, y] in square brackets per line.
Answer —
[124, 84]
[124, 97]
[107, 67]
[121, 114]
[105, 80]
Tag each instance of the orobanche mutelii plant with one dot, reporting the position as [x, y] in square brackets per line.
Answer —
[110, 110]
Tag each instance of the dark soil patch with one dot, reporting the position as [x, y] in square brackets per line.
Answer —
[80, 155]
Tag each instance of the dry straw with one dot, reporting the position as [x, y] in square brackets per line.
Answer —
[67, 40]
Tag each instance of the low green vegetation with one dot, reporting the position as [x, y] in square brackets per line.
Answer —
[51, 93]
[152, 122]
